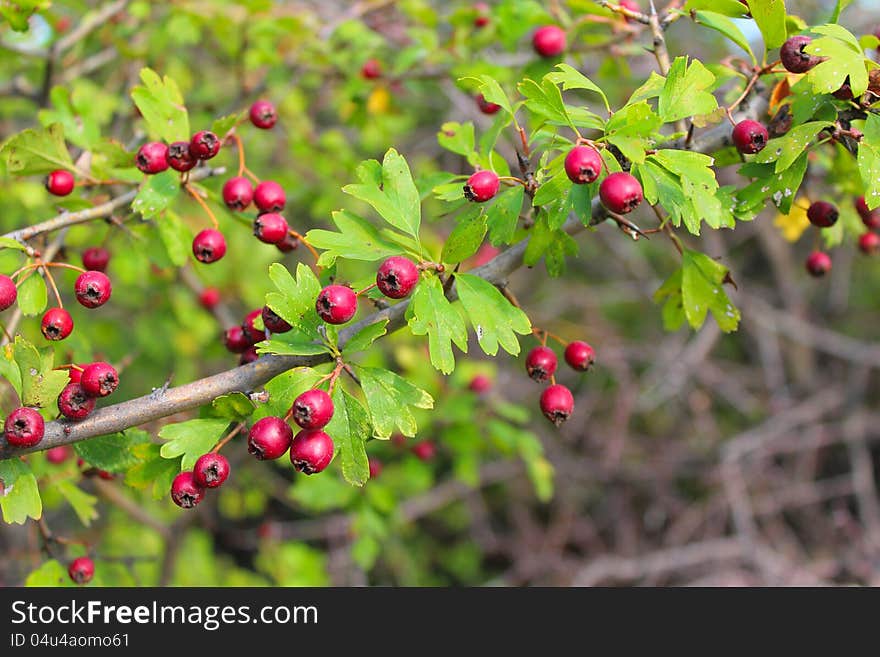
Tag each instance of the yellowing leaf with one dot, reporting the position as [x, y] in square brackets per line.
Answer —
[379, 101]
[793, 224]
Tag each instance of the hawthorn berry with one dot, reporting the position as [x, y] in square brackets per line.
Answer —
[557, 403]
[822, 214]
[263, 114]
[485, 106]
[549, 41]
[81, 570]
[57, 324]
[313, 409]
[24, 427]
[92, 289]
[583, 165]
[209, 246]
[8, 292]
[211, 470]
[179, 156]
[270, 228]
[95, 258]
[397, 277]
[288, 244]
[482, 17]
[579, 355]
[99, 379]
[209, 298]
[152, 157]
[74, 403]
[336, 304]
[75, 373]
[58, 455]
[620, 192]
[185, 491]
[204, 145]
[269, 196]
[269, 438]
[235, 340]
[251, 332]
[869, 243]
[375, 467]
[60, 182]
[249, 356]
[541, 363]
[480, 384]
[238, 193]
[793, 57]
[425, 450]
[273, 322]
[818, 263]
[871, 218]
[481, 186]
[750, 137]
[371, 69]
[311, 451]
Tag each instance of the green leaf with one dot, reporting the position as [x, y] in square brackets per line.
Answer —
[496, 321]
[466, 237]
[733, 8]
[551, 243]
[545, 100]
[284, 388]
[781, 188]
[770, 17]
[19, 494]
[51, 573]
[389, 398]
[83, 504]
[787, 149]
[357, 239]
[553, 188]
[80, 128]
[36, 151]
[869, 161]
[40, 384]
[9, 368]
[191, 439]
[458, 138]
[673, 308]
[722, 24]
[295, 300]
[702, 291]
[161, 104]
[390, 190]
[32, 295]
[570, 78]
[223, 125]
[292, 343]
[176, 237]
[493, 92]
[156, 194]
[685, 92]
[234, 406]
[350, 429]
[151, 472]
[9, 243]
[844, 59]
[631, 129]
[362, 340]
[19, 12]
[113, 452]
[503, 215]
[430, 313]
[841, 5]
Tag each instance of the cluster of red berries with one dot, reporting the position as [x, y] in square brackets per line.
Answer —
[211, 470]
[869, 242]
[557, 402]
[241, 339]
[823, 214]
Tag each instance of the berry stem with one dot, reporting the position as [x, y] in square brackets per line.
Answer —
[204, 205]
[54, 287]
[250, 174]
[547, 334]
[97, 183]
[302, 239]
[512, 180]
[232, 434]
[240, 147]
[366, 289]
[36, 265]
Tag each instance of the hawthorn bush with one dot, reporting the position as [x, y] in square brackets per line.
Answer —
[276, 277]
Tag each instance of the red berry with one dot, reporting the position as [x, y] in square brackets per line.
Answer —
[185, 491]
[238, 193]
[95, 258]
[99, 379]
[336, 304]
[583, 165]
[557, 403]
[263, 114]
[269, 438]
[235, 340]
[74, 403]
[541, 363]
[549, 41]
[204, 145]
[251, 332]
[375, 467]
[58, 455]
[481, 186]
[24, 427]
[869, 243]
[750, 137]
[92, 289]
[8, 292]
[480, 384]
[152, 157]
[179, 156]
[288, 244]
[311, 451]
[209, 298]
[81, 570]
[871, 218]
[211, 470]
[793, 57]
[249, 356]
[75, 375]
[485, 106]
[620, 192]
[398, 439]
[273, 322]
[397, 277]
[822, 214]
[818, 263]
[209, 246]
[269, 196]
[425, 450]
[59, 182]
[313, 409]
[579, 355]
[270, 228]
[57, 324]
[371, 69]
